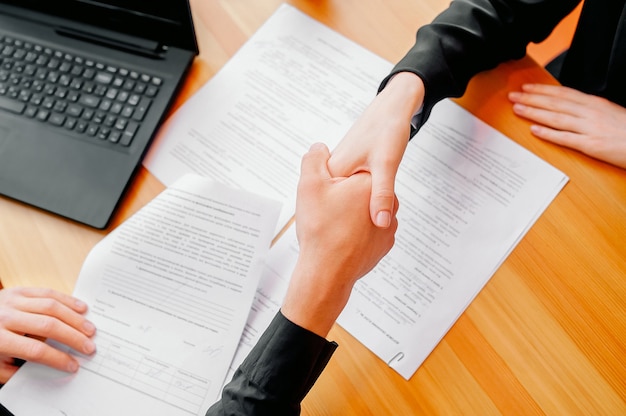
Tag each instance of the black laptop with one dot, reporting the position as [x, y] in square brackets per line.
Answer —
[84, 86]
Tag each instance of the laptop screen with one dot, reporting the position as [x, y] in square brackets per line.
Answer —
[168, 21]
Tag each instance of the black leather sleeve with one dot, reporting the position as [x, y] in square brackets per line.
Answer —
[472, 36]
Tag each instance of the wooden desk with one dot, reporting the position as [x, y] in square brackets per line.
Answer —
[547, 335]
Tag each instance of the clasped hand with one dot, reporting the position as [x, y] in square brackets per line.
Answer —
[338, 241]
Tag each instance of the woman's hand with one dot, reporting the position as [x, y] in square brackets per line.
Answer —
[377, 141]
[565, 116]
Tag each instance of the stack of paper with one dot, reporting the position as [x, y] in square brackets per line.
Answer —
[169, 291]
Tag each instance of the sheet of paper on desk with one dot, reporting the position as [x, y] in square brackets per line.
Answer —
[293, 83]
[169, 291]
[270, 294]
[467, 196]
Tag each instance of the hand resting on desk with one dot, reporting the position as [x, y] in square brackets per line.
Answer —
[592, 125]
[41, 313]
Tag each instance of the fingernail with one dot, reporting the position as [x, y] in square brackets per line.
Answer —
[88, 327]
[80, 304]
[89, 347]
[383, 219]
[518, 107]
[72, 367]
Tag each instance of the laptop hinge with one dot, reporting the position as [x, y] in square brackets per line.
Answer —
[132, 44]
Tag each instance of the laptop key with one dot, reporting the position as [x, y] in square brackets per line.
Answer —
[70, 123]
[142, 108]
[42, 115]
[114, 137]
[103, 77]
[89, 100]
[13, 106]
[56, 119]
[31, 111]
[74, 110]
[92, 129]
[129, 134]
[81, 126]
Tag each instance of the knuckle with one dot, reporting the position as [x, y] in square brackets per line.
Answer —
[35, 351]
[49, 306]
[5, 318]
[384, 194]
[46, 326]
[595, 100]
[560, 118]
[594, 145]
[47, 293]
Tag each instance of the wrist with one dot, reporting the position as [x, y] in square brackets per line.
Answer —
[315, 298]
[407, 90]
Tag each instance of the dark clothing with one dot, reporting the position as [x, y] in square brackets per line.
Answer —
[475, 35]
[277, 374]
[596, 60]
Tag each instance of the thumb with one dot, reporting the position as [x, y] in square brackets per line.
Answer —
[315, 162]
[382, 198]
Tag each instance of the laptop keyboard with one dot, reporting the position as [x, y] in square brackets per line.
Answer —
[97, 100]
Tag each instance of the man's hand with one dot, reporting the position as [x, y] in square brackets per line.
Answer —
[338, 242]
[592, 125]
[28, 315]
[377, 141]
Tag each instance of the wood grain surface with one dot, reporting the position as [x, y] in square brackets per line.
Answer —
[547, 335]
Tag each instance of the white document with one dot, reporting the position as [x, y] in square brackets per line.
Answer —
[295, 82]
[270, 294]
[169, 291]
[467, 196]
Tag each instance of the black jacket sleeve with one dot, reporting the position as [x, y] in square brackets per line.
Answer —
[277, 374]
[472, 36]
